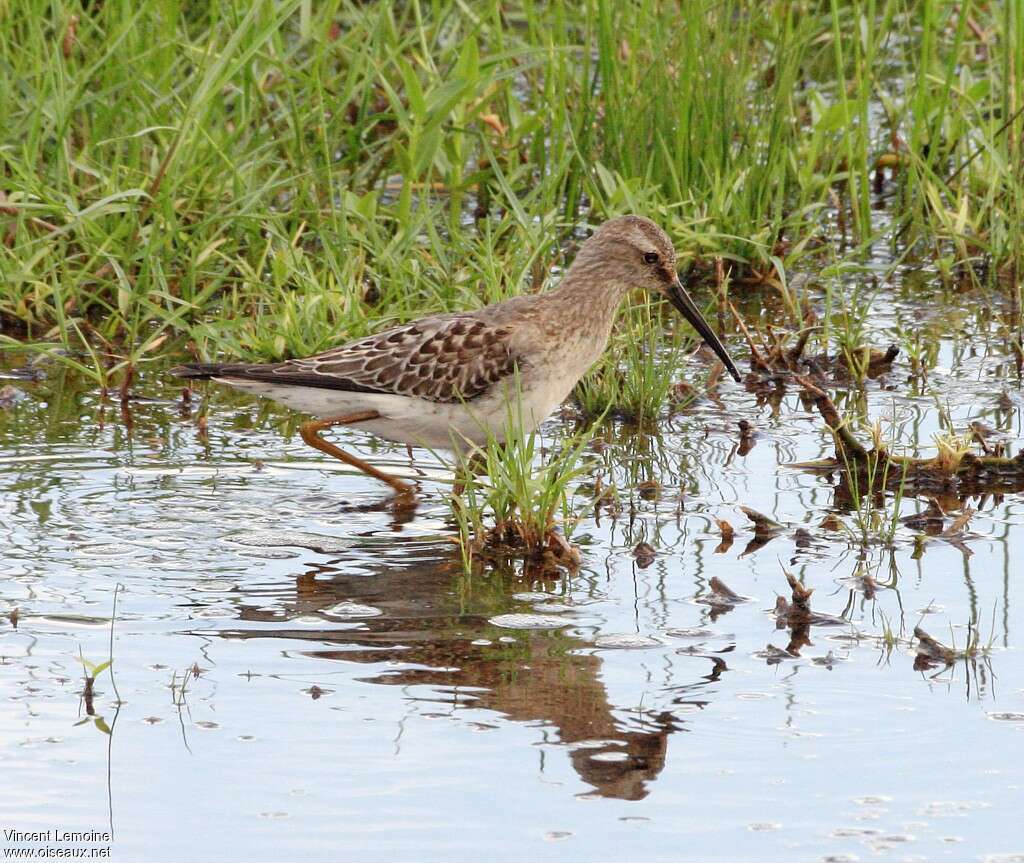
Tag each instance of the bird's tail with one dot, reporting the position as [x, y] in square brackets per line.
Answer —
[199, 371]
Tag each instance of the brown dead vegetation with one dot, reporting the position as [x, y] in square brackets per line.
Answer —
[780, 353]
[798, 617]
[931, 652]
[953, 463]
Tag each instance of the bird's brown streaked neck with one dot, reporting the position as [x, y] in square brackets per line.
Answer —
[583, 309]
[595, 284]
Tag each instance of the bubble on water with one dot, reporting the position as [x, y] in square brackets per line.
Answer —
[695, 632]
[481, 642]
[764, 826]
[610, 756]
[891, 840]
[556, 835]
[626, 641]
[207, 724]
[853, 832]
[348, 609]
[113, 549]
[532, 596]
[840, 858]
[211, 612]
[1007, 717]
[951, 808]
[553, 607]
[529, 621]
[872, 799]
[773, 654]
[507, 639]
[274, 538]
[269, 554]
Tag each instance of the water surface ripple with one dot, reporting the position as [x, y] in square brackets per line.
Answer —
[299, 672]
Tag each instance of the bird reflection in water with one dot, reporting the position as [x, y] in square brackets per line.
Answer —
[429, 626]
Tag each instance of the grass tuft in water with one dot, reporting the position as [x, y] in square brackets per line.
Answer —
[512, 495]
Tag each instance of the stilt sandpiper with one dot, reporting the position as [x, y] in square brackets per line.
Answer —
[446, 380]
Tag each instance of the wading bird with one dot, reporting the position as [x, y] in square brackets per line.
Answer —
[446, 380]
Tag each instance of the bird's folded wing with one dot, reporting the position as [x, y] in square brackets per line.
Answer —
[446, 359]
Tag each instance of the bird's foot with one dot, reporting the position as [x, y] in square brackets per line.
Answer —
[403, 502]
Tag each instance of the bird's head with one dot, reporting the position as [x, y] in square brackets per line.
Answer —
[635, 252]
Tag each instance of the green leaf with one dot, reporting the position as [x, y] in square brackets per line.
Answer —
[402, 158]
[442, 99]
[838, 115]
[366, 206]
[413, 90]
[468, 66]
[979, 90]
[428, 146]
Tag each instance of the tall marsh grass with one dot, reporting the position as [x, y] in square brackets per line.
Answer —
[264, 177]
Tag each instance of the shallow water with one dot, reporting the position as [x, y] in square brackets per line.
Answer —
[302, 675]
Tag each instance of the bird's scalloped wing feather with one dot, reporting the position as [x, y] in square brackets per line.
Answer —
[445, 359]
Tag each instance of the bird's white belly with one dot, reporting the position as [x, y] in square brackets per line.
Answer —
[437, 425]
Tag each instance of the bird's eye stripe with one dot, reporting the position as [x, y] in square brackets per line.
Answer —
[650, 257]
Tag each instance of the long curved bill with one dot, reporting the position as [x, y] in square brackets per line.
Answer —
[685, 306]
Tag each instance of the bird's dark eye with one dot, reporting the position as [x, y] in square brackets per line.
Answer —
[650, 257]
